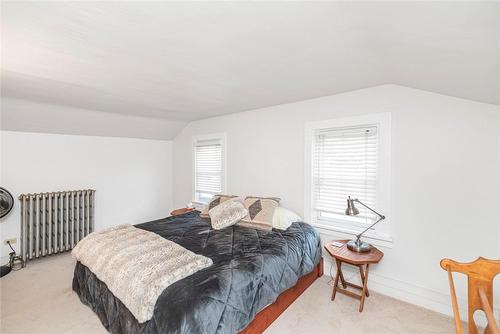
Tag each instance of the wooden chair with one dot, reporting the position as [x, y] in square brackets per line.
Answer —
[480, 274]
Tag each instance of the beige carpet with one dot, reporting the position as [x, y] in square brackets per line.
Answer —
[39, 299]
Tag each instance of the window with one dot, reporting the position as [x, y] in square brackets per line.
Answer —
[344, 164]
[348, 157]
[209, 166]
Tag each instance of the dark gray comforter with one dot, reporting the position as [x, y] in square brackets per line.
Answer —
[251, 268]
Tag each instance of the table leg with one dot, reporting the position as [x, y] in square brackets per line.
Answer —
[342, 279]
[336, 283]
[362, 274]
[339, 270]
[365, 287]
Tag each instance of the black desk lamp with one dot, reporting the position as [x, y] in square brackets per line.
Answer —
[358, 245]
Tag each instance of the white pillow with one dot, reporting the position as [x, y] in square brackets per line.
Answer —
[283, 218]
[227, 213]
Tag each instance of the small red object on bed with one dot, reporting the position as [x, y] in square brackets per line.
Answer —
[181, 211]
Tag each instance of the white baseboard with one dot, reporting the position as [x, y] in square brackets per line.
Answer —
[408, 292]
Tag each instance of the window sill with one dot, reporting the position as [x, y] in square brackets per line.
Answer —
[372, 237]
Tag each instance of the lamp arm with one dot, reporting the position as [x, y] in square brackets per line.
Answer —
[369, 227]
[363, 204]
[381, 217]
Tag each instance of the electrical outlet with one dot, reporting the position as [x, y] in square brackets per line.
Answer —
[12, 241]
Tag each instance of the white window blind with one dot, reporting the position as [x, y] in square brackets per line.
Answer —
[344, 164]
[209, 169]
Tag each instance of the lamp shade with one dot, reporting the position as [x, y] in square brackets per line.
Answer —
[351, 209]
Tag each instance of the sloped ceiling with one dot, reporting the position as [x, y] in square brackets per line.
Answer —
[181, 61]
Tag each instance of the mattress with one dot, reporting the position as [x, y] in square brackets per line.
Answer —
[251, 268]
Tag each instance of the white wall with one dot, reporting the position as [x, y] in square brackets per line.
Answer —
[445, 177]
[132, 177]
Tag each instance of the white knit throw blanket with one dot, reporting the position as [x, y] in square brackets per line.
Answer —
[137, 265]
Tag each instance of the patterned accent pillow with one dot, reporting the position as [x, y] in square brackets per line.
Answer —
[227, 213]
[260, 212]
[216, 200]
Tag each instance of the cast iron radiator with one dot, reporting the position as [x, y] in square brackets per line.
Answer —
[54, 222]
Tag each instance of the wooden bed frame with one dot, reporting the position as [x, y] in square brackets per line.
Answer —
[266, 317]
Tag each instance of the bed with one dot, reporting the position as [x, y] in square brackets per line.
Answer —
[255, 275]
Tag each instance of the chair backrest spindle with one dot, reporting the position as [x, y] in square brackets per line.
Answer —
[454, 302]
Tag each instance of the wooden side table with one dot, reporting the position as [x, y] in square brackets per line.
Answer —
[361, 260]
[180, 211]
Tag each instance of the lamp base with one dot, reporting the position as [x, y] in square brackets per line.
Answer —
[361, 247]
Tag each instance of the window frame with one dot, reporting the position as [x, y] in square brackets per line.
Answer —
[195, 139]
[381, 233]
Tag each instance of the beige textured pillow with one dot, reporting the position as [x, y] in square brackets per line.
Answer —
[227, 213]
[260, 212]
[216, 200]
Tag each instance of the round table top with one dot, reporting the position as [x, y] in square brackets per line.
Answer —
[346, 255]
